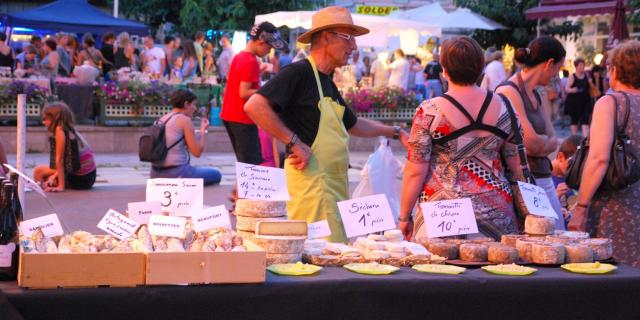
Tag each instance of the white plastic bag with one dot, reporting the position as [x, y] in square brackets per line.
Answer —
[379, 175]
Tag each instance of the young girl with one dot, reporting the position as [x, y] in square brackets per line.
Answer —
[58, 119]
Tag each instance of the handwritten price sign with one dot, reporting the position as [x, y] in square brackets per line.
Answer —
[181, 197]
[261, 183]
[366, 215]
[449, 217]
[536, 200]
[118, 225]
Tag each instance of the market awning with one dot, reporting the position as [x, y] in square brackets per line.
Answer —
[564, 8]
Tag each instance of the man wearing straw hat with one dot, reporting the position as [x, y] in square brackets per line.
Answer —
[303, 109]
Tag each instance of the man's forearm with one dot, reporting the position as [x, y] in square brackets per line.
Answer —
[369, 128]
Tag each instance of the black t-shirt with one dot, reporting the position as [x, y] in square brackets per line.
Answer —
[294, 96]
[433, 70]
[601, 71]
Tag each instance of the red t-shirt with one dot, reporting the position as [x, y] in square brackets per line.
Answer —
[244, 68]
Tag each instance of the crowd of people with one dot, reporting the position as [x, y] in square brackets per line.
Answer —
[464, 138]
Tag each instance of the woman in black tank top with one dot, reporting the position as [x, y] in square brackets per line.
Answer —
[7, 58]
[579, 103]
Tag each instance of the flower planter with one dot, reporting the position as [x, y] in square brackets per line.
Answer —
[10, 111]
[131, 114]
[386, 115]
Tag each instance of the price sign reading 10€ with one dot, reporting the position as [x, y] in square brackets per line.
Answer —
[180, 197]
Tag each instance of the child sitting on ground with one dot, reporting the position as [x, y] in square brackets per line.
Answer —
[560, 165]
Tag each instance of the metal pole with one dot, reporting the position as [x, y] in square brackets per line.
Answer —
[115, 8]
[21, 145]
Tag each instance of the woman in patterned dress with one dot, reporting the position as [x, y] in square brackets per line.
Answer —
[456, 145]
[614, 215]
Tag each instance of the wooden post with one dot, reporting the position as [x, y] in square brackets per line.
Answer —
[21, 145]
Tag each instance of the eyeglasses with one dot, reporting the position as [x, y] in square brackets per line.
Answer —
[345, 36]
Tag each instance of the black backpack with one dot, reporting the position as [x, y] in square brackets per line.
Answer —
[152, 145]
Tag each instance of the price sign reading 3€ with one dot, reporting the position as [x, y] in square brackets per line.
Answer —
[180, 197]
[449, 217]
[366, 215]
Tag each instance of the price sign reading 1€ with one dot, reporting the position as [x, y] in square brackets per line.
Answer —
[180, 197]
[366, 215]
[536, 200]
[449, 217]
[261, 183]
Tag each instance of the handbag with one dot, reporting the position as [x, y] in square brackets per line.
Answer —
[518, 201]
[624, 167]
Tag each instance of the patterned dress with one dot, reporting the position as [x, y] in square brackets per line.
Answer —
[616, 215]
[464, 167]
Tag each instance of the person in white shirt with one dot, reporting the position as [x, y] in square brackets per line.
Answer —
[378, 72]
[153, 58]
[494, 71]
[86, 74]
[399, 69]
[224, 60]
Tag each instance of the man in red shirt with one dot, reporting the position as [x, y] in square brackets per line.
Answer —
[243, 80]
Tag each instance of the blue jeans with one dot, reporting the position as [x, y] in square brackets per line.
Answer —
[434, 88]
[422, 90]
[208, 175]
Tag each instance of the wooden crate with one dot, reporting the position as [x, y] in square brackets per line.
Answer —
[207, 267]
[53, 270]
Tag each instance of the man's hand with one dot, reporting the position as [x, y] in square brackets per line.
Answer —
[300, 154]
[407, 229]
[579, 219]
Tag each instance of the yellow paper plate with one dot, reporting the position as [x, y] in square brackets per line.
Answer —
[294, 269]
[509, 270]
[439, 268]
[371, 268]
[589, 267]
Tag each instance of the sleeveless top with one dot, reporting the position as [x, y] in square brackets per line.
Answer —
[85, 154]
[121, 60]
[7, 60]
[51, 73]
[582, 96]
[540, 166]
[187, 64]
[178, 155]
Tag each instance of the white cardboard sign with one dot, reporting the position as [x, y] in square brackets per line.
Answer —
[6, 252]
[318, 229]
[50, 225]
[28, 182]
[261, 183]
[118, 225]
[209, 218]
[181, 197]
[536, 200]
[449, 217]
[366, 215]
[141, 211]
[167, 226]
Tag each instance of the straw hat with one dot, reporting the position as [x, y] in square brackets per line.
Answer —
[331, 17]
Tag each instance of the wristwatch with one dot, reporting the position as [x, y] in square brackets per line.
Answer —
[396, 132]
[292, 142]
[407, 219]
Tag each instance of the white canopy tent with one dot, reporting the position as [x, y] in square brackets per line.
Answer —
[381, 27]
[461, 18]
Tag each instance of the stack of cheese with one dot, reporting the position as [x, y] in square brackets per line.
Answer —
[480, 250]
[249, 212]
[543, 245]
[283, 240]
[389, 248]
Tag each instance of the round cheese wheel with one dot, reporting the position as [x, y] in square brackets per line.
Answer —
[602, 247]
[577, 235]
[274, 258]
[524, 245]
[577, 253]
[245, 234]
[260, 208]
[443, 249]
[538, 225]
[249, 224]
[473, 252]
[482, 239]
[280, 244]
[547, 253]
[458, 241]
[510, 239]
[502, 254]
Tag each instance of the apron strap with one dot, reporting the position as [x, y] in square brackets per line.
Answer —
[315, 73]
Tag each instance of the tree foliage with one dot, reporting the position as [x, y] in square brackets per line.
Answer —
[510, 13]
[190, 16]
[633, 13]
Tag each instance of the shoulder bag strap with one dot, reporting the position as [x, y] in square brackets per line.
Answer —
[517, 139]
[167, 121]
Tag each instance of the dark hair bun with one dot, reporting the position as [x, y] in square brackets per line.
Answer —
[522, 55]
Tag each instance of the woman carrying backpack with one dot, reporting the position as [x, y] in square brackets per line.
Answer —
[181, 138]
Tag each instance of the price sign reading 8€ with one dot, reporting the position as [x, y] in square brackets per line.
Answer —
[180, 197]
[536, 200]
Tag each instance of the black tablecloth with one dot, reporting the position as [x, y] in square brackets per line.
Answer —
[335, 293]
[79, 98]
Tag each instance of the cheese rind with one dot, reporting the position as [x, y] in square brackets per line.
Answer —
[577, 253]
[547, 253]
[524, 245]
[275, 258]
[280, 244]
[249, 224]
[539, 225]
[260, 208]
[281, 228]
[602, 247]
[447, 250]
[510, 239]
[502, 254]
[473, 252]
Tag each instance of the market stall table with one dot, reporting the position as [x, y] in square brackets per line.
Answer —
[335, 293]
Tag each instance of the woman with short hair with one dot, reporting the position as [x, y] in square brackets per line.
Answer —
[455, 147]
[613, 214]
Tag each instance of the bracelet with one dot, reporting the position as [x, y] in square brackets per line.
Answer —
[292, 142]
[407, 219]
[396, 132]
[581, 205]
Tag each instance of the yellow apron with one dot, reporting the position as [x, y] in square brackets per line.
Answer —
[316, 189]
